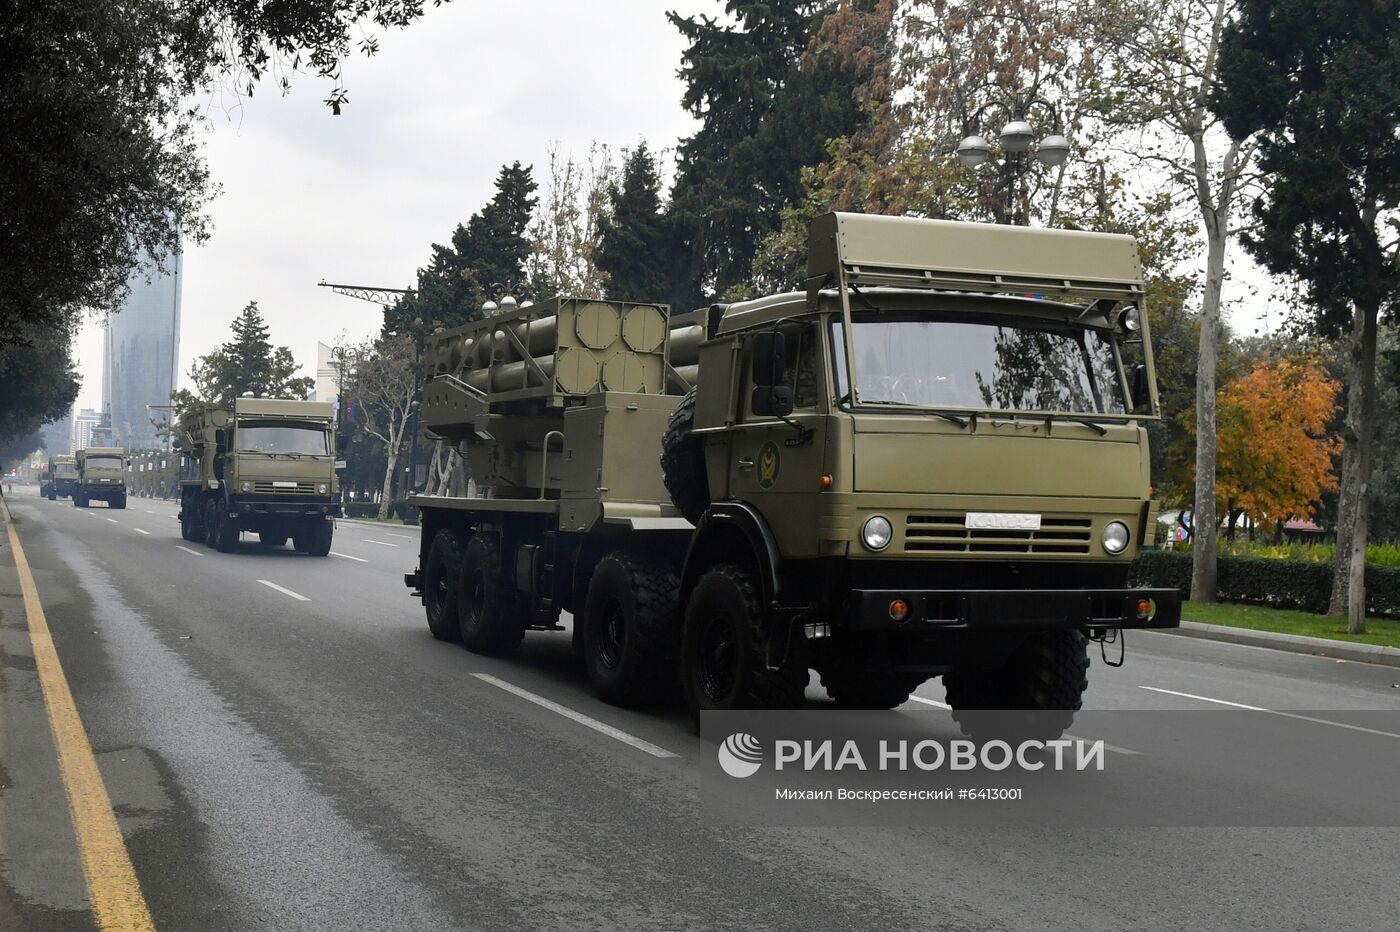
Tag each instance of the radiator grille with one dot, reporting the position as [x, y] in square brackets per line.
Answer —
[948, 533]
[284, 488]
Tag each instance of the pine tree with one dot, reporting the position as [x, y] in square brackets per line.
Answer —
[767, 115]
[634, 241]
[247, 363]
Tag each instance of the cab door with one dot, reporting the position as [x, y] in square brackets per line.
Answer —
[776, 464]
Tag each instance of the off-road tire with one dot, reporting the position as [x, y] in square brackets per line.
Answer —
[442, 584]
[119, 503]
[723, 663]
[79, 501]
[683, 462]
[1045, 677]
[859, 689]
[225, 533]
[322, 532]
[490, 619]
[630, 631]
[269, 539]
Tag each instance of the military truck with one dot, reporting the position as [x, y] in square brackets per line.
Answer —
[266, 466]
[101, 477]
[45, 481]
[931, 461]
[63, 475]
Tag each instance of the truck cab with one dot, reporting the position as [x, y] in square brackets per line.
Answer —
[101, 477]
[63, 475]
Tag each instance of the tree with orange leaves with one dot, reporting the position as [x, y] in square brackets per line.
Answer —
[1274, 457]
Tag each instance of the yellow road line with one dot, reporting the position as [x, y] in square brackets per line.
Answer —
[115, 893]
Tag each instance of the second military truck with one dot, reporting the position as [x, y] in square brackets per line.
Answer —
[63, 475]
[101, 477]
[267, 466]
[932, 461]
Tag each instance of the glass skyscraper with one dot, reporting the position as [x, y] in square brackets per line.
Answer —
[140, 353]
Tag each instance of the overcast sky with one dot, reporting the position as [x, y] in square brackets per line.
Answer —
[361, 197]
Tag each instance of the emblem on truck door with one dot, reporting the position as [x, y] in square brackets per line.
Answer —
[767, 464]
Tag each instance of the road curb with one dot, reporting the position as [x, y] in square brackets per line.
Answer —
[1293, 643]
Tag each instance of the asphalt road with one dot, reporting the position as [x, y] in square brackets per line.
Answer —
[286, 747]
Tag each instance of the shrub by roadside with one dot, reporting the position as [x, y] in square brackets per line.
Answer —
[1300, 584]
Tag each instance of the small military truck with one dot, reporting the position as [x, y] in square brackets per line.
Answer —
[101, 477]
[45, 481]
[931, 461]
[63, 475]
[267, 466]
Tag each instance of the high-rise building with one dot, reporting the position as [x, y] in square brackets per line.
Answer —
[140, 353]
[85, 423]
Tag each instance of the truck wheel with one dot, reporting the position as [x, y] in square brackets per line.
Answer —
[442, 583]
[489, 619]
[226, 533]
[723, 665]
[1045, 679]
[320, 543]
[683, 462]
[211, 524]
[118, 502]
[630, 632]
[859, 689]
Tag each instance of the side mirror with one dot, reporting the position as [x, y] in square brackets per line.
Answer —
[220, 440]
[340, 442]
[774, 400]
[1142, 397]
[769, 358]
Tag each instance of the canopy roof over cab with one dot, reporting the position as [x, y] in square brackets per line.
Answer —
[867, 249]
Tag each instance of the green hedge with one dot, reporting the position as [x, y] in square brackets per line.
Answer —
[1300, 584]
[361, 510]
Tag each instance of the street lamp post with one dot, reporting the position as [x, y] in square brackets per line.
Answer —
[1018, 145]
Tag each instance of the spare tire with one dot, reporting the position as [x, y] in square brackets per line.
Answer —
[683, 462]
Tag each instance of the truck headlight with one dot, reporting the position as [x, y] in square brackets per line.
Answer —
[1115, 537]
[247, 486]
[322, 489]
[876, 533]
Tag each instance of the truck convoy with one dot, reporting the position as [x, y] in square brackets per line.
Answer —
[101, 477]
[266, 466]
[63, 475]
[931, 461]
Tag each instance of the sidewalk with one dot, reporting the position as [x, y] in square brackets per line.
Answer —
[1294, 643]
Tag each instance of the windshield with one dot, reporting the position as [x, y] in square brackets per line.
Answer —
[281, 438]
[104, 462]
[65, 469]
[998, 365]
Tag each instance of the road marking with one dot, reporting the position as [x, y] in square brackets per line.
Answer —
[113, 888]
[296, 595]
[113, 520]
[139, 531]
[348, 557]
[586, 721]
[402, 536]
[1255, 708]
[379, 542]
[149, 511]
[193, 553]
[1110, 747]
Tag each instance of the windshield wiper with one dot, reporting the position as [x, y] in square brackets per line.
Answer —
[960, 421]
[1097, 428]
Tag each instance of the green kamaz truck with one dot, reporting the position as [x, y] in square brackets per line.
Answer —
[101, 477]
[266, 466]
[931, 461]
[63, 475]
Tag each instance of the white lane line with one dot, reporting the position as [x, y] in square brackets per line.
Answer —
[348, 557]
[139, 531]
[1109, 747]
[401, 536]
[379, 542]
[193, 553]
[296, 595]
[1255, 708]
[149, 511]
[586, 721]
[113, 520]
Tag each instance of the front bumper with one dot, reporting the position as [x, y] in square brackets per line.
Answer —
[1017, 609]
[267, 506]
